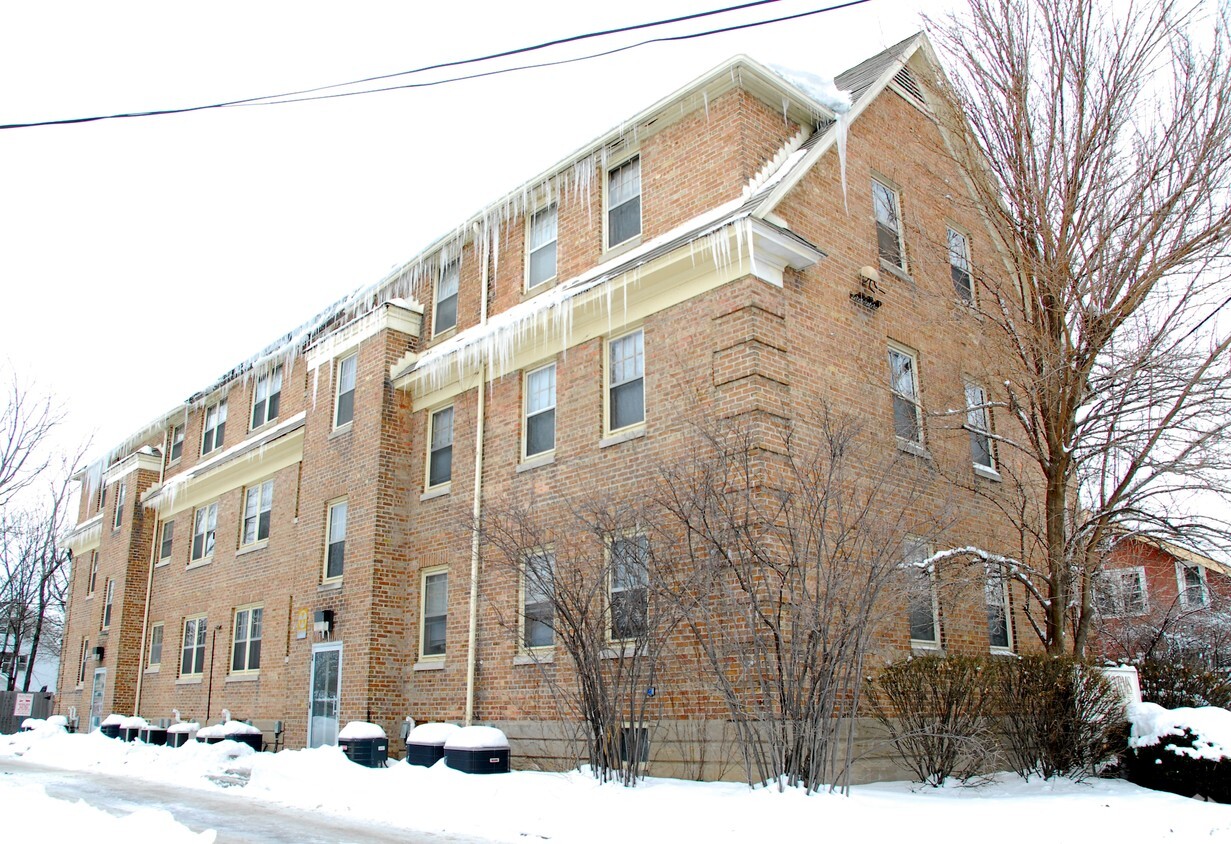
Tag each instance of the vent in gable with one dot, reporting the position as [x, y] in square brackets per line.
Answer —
[909, 85]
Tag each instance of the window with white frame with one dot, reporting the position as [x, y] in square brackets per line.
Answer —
[121, 490]
[1191, 580]
[628, 586]
[155, 652]
[538, 607]
[246, 640]
[108, 601]
[539, 430]
[959, 266]
[215, 427]
[93, 582]
[266, 397]
[164, 543]
[541, 246]
[907, 417]
[444, 315]
[177, 444]
[624, 201]
[1121, 592]
[440, 447]
[996, 597]
[888, 215]
[258, 504]
[922, 609]
[344, 391]
[335, 540]
[192, 654]
[626, 381]
[204, 527]
[979, 425]
[85, 656]
[434, 617]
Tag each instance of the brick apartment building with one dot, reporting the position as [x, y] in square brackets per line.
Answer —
[293, 542]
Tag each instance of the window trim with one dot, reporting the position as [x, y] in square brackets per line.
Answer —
[914, 552]
[150, 663]
[330, 506]
[92, 577]
[166, 544]
[211, 513]
[993, 575]
[608, 385]
[453, 265]
[217, 433]
[921, 440]
[986, 432]
[272, 399]
[117, 519]
[432, 448]
[259, 488]
[1181, 568]
[202, 626]
[424, 574]
[1122, 608]
[176, 440]
[529, 282]
[610, 169]
[523, 646]
[247, 670]
[85, 656]
[338, 393]
[903, 266]
[527, 374]
[964, 295]
[632, 534]
[108, 604]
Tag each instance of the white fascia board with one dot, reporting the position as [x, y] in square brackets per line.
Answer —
[85, 536]
[406, 317]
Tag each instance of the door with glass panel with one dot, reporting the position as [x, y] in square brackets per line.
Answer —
[326, 690]
[96, 698]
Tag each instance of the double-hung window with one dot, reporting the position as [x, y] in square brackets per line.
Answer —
[921, 606]
[541, 245]
[907, 418]
[440, 448]
[344, 394]
[93, 583]
[626, 381]
[1121, 592]
[538, 592]
[177, 444]
[540, 422]
[246, 641]
[120, 494]
[108, 601]
[628, 587]
[996, 597]
[85, 656]
[258, 503]
[204, 527]
[155, 654]
[1191, 580]
[978, 423]
[624, 202]
[215, 427]
[435, 615]
[266, 397]
[444, 316]
[335, 540]
[192, 656]
[164, 543]
[888, 215]
[959, 266]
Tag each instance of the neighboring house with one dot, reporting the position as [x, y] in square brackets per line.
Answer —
[1157, 598]
[292, 541]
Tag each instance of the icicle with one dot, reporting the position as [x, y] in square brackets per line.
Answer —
[844, 122]
[705, 98]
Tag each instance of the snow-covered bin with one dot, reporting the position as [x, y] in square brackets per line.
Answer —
[478, 750]
[233, 730]
[425, 745]
[32, 724]
[153, 735]
[110, 727]
[364, 744]
[181, 733]
[131, 727]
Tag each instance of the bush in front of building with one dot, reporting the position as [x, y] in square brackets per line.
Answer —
[1177, 683]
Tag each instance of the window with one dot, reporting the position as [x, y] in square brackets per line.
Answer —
[120, 491]
[335, 540]
[246, 641]
[996, 596]
[629, 586]
[538, 609]
[164, 545]
[888, 225]
[541, 245]
[959, 266]
[626, 374]
[258, 502]
[624, 202]
[440, 448]
[1191, 580]
[435, 614]
[203, 528]
[921, 599]
[93, 574]
[540, 426]
[344, 398]
[108, 600]
[445, 316]
[215, 427]
[266, 397]
[907, 421]
[978, 423]
[155, 645]
[85, 655]
[177, 444]
[1119, 592]
[192, 661]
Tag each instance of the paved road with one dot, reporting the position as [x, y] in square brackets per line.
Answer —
[238, 818]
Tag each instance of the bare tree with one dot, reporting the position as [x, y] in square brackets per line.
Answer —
[26, 420]
[1096, 139]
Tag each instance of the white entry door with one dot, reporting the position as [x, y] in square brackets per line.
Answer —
[326, 690]
[96, 698]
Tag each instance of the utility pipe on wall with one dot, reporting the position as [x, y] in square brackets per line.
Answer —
[477, 512]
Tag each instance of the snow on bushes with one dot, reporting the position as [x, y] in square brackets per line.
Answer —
[1184, 751]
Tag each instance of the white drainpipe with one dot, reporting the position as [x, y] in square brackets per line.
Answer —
[149, 582]
[472, 657]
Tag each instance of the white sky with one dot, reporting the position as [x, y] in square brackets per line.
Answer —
[140, 259]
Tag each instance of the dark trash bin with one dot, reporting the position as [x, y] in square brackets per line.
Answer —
[179, 738]
[153, 735]
[253, 740]
[425, 745]
[129, 733]
[478, 750]
[110, 730]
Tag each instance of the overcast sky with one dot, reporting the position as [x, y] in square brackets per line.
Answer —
[142, 258]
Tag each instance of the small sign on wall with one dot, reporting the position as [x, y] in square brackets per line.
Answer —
[23, 705]
[301, 623]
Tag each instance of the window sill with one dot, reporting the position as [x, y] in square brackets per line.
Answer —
[933, 648]
[90, 597]
[162, 564]
[189, 681]
[985, 472]
[622, 437]
[243, 678]
[444, 335]
[548, 655]
[341, 430]
[255, 546]
[536, 461]
[199, 564]
[154, 669]
[913, 448]
[330, 586]
[268, 423]
[80, 687]
[539, 288]
[896, 272]
[429, 665]
[1005, 652]
[437, 492]
[623, 246]
[619, 650]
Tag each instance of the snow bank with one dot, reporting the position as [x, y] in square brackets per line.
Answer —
[477, 738]
[821, 89]
[133, 722]
[355, 730]
[228, 728]
[115, 719]
[432, 733]
[184, 727]
[77, 821]
[1210, 724]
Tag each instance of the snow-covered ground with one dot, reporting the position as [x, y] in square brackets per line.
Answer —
[572, 807]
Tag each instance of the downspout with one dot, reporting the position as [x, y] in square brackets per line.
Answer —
[149, 583]
[477, 513]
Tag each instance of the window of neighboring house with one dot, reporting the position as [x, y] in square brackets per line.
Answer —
[177, 444]
[1121, 592]
[85, 656]
[120, 491]
[540, 421]
[192, 661]
[907, 418]
[335, 540]
[215, 427]
[258, 503]
[344, 395]
[93, 583]
[959, 266]
[164, 545]
[538, 590]
[440, 448]
[996, 596]
[435, 615]
[1191, 580]
[624, 202]
[266, 397]
[108, 601]
[888, 225]
[629, 586]
[445, 314]
[626, 381]
[541, 244]
[155, 645]
[922, 609]
[204, 526]
[246, 641]
[978, 423]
